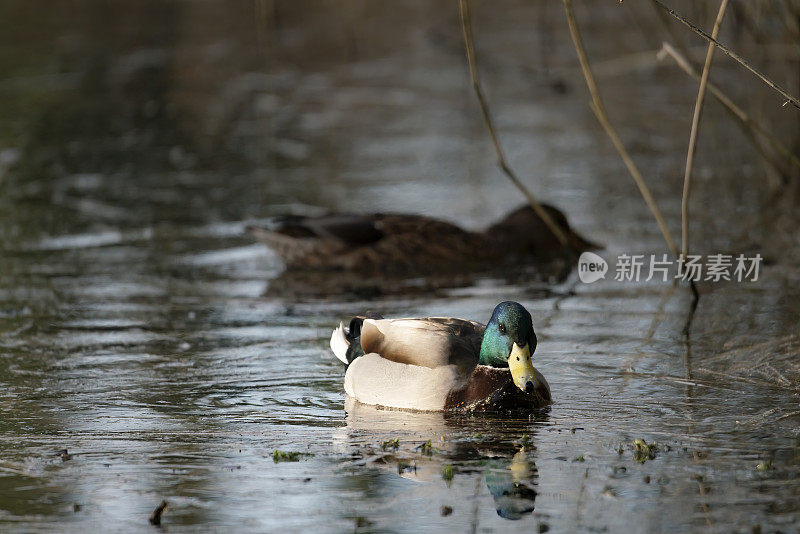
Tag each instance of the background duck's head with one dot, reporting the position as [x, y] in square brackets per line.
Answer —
[509, 341]
[523, 232]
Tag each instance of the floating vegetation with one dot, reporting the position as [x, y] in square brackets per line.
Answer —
[288, 456]
[610, 492]
[426, 448]
[390, 444]
[766, 465]
[361, 522]
[404, 466]
[579, 459]
[447, 473]
[643, 451]
[524, 440]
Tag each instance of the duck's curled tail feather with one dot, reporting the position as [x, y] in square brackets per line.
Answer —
[339, 343]
[346, 340]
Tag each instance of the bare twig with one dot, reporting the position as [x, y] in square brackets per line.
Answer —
[742, 116]
[730, 53]
[155, 517]
[702, 490]
[786, 416]
[687, 332]
[466, 29]
[698, 110]
[600, 113]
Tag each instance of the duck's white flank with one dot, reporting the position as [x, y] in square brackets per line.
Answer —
[374, 380]
[339, 343]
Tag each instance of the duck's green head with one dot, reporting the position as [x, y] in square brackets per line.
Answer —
[509, 341]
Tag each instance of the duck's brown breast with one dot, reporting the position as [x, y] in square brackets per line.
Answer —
[492, 389]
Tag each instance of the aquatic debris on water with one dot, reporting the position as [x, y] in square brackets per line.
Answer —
[447, 473]
[404, 466]
[288, 456]
[523, 441]
[390, 444]
[766, 465]
[426, 448]
[643, 451]
[361, 522]
[155, 517]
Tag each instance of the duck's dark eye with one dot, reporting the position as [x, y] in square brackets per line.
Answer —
[502, 328]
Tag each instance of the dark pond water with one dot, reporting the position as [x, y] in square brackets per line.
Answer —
[145, 333]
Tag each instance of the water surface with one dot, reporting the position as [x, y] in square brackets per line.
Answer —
[149, 351]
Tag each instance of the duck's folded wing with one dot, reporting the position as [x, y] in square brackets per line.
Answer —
[430, 342]
[372, 379]
[353, 230]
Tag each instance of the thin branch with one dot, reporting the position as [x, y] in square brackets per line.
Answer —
[789, 98]
[786, 416]
[687, 331]
[698, 110]
[600, 112]
[737, 112]
[466, 29]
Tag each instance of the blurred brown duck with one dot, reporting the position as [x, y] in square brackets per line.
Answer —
[402, 243]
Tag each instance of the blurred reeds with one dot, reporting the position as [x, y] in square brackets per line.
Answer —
[768, 146]
[466, 30]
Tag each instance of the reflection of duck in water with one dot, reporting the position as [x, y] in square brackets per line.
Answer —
[509, 470]
[513, 485]
[401, 244]
[440, 363]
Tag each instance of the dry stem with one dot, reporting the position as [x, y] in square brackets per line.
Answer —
[155, 517]
[742, 116]
[789, 98]
[466, 29]
[698, 110]
[600, 112]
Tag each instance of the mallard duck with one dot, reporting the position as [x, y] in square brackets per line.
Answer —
[442, 363]
[404, 244]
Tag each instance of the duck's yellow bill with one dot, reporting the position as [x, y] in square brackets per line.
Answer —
[520, 467]
[519, 363]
